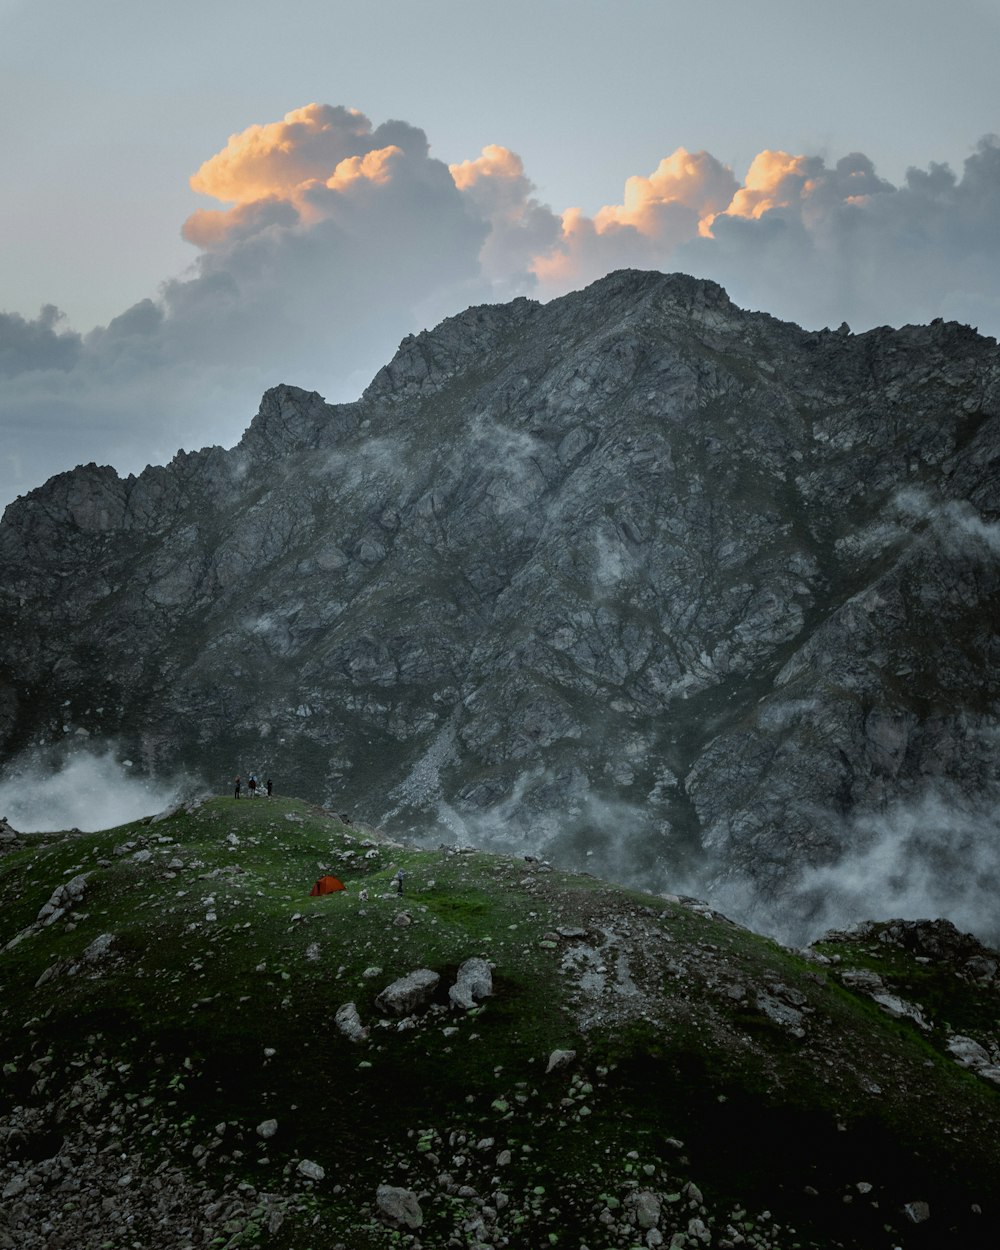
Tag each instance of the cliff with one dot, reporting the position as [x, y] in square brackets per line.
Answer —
[637, 579]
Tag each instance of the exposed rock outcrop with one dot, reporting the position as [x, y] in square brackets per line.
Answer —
[635, 558]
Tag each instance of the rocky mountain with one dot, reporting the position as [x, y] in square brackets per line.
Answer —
[197, 1053]
[635, 579]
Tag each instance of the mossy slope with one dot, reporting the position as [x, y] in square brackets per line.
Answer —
[715, 1071]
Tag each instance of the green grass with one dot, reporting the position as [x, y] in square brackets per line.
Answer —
[180, 1020]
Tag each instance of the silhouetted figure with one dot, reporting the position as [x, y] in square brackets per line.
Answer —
[268, 784]
[252, 785]
[237, 794]
[398, 880]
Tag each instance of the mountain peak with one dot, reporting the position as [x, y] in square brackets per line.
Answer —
[635, 578]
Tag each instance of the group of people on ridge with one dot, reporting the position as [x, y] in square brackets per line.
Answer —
[253, 786]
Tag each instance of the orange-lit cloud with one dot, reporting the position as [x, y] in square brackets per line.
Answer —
[330, 238]
[674, 204]
[375, 166]
[292, 172]
[279, 158]
[493, 162]
[496, 189]
[695, 181]
[774, 180]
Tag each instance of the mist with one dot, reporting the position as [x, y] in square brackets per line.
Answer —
[82, 789]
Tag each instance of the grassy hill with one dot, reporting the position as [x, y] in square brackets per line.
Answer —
[174, 1074]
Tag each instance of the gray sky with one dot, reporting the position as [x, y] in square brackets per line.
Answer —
[332, 238]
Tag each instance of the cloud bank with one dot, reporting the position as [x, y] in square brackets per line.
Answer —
[81, 789]
[333, 237]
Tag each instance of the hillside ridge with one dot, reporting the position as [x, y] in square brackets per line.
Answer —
[197, 1052]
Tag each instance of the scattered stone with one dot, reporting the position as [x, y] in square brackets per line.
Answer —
[917, 1212]
[560, 1059]
[311, 1171]
[267, 1128]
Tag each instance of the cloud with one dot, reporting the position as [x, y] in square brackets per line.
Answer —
[496, 189]
[954, 523]
[80, 789]
[937, 855]
[26, 346]
[337, 239]
[331, 238]
[825, 244]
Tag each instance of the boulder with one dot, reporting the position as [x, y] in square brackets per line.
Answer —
[409, 994]
[560, 1059]
[99, 947]
[917, 1212]
[645, 1206]
[474, 982]
[399, 1205]
[349, 1023]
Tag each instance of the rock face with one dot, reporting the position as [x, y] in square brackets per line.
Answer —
[635, 573]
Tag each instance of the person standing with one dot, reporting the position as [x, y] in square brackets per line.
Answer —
[252, 785]
[268, 786]
[398, 881]
[237, 794]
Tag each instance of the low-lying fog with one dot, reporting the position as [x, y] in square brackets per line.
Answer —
[934, 857]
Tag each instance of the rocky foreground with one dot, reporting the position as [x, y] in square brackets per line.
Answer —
[636, 556]
[198, 1053]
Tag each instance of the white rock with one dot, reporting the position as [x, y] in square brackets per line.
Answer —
[267, 1128]
[349, 1023]
[474, 982]
[311, 1171]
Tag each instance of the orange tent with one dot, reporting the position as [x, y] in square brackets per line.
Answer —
[326, 885]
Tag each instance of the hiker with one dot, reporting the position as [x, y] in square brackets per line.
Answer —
[398, 879]
[237, 794]
[252, 785]
[268, 784]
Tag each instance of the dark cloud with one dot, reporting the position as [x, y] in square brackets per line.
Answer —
[846, 245]
[30, 345]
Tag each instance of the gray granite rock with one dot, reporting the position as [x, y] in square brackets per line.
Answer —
[409, 994]
[399, 1205]
[633, 553]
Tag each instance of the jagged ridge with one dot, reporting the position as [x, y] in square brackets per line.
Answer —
[634, 575]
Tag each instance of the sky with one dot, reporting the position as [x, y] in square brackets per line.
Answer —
[205, 199]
